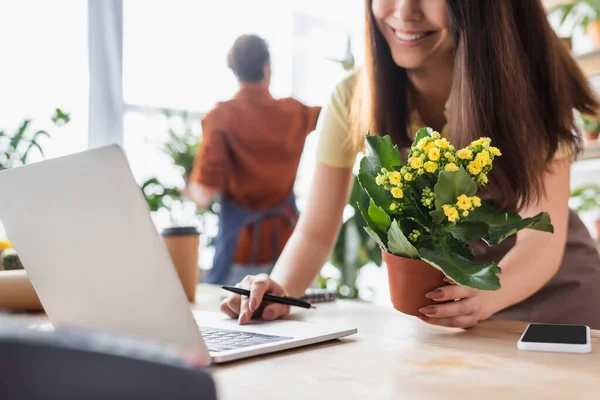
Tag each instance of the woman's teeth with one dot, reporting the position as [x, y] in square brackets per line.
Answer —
[410, 36]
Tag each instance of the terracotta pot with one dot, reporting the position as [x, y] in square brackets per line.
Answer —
[183, 243]
[597, 224]
[410, 280]
[593, 32]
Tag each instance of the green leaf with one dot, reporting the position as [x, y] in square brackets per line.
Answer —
[398, 244]
[421, 133]
[438, 216]
[544, 225]
[369, 168]
[379, 217]
[467, 231]
[383, 149]
[503, 225]
[452, 184]
[460, 269]
[376, 238]
[381, 234]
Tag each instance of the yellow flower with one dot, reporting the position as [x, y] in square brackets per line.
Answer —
[474, 167]
[482, 179]
[451, 213]
[463, 202]
[434, 154]
[422, 143]
[430, 166]
[408, 177]
[484, 141]
[495, 151]
[395, 178]
[421, 171]
[451, 167]
[416, 163]
[428, 147]
[449, 156]
[442, 143]
[5, 245]
[483, 158]
[476, 201]
[380, 180]
[436, 135]
[464, 154]
[465, 214]
[397, 193]
[393, 207]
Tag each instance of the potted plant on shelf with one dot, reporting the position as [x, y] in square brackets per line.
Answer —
[424, 214]
[584, 13]
[586, 198]
[591, 128]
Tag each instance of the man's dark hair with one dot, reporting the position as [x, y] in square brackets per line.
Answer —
[248, 57]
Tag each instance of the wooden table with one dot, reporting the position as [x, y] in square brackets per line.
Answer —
[394, 356]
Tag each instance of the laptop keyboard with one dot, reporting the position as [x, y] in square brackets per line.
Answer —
[223, 340]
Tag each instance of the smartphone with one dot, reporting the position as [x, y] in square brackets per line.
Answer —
[556, 338]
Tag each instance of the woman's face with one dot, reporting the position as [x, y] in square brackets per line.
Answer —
[416, 30]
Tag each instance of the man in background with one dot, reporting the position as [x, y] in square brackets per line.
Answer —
[250, 151]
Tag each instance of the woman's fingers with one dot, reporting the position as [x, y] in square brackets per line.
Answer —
[450, 292]
[453, 309]
[244, 307]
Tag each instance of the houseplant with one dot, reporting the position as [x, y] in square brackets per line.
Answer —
[584, 13]
[424, 215]
[182, 146]
[591, 128]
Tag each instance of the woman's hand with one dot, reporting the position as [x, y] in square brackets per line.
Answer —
[465, 307]
[243, 307]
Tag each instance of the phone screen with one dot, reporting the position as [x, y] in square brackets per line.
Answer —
[564, 334]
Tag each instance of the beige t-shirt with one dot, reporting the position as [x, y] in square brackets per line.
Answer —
[333, 148]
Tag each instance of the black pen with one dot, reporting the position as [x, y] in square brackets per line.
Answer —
[290, 301]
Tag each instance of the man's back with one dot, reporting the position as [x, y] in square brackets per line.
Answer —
[260, 141]
[250, 151]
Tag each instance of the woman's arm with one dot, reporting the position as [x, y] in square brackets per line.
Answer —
[536, 256]
[305, 252]
[526, 268]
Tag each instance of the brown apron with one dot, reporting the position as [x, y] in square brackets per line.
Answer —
[572, 296]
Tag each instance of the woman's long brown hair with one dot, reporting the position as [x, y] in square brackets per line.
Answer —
[514, 81]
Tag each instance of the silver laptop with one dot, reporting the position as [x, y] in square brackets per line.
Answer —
[84, 233]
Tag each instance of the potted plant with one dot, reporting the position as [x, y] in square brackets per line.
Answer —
[182, 238]
[587, 199]
[591, 128]
[424, 214]
[584, 13]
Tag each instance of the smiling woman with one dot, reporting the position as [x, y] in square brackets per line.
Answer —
[466, 69]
